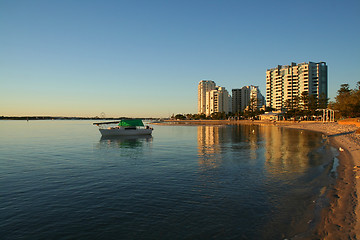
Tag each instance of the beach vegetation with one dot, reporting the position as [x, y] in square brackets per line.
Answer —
[305, 107]
[180, 117]
[347, 101]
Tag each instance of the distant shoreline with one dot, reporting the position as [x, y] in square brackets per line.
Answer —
[226, 122]
[34, 118]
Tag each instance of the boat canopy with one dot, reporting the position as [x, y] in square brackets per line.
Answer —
[131, 122]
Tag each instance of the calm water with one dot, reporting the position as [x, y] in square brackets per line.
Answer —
[60, 180]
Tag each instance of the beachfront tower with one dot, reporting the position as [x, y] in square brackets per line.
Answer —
[245, 96]
[256, 98]
[285, 84]
[218, 101]
[204, 87]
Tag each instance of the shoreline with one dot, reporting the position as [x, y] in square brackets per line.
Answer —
[340, 219]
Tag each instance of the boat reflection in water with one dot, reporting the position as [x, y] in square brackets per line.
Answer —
[124, 141]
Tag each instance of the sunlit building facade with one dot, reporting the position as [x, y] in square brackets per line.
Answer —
[258, 98]
[218, 101]
[285, 83]
[212, 98]
[204, 87]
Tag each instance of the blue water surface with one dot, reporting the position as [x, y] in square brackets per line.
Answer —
[61, 180]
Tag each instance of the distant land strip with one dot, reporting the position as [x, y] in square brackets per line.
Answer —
[62, 118]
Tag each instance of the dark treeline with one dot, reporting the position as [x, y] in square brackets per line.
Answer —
[253, 114]
[305, 107]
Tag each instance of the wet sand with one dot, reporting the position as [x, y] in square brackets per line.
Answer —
[341, 218]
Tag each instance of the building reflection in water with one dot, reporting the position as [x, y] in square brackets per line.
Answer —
[291, 151]
[208, 143]
[278, 150]
[216, 143]
[281, 169]
[209, 148]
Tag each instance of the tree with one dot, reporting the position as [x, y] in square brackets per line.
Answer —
[293, 107]
[293, 103]
[180, 117]
[323, 101]
[199, 116]
[347, 102]
[218, 116]
[304, 99]
[343, 100]
[313, 105]
[269, 109]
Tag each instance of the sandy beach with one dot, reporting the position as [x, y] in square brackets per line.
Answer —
[341, 218]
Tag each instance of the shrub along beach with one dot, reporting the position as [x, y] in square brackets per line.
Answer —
[340, 219]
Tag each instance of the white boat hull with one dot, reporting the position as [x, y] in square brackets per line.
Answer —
[124, 132]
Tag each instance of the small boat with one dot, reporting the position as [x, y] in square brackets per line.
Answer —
[124, 127]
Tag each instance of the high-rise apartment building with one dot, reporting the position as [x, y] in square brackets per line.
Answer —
[212, 98]
[236, 100]
[204, 87]
[218, 100]
[285, 83]
[256, 98]
[245, 96]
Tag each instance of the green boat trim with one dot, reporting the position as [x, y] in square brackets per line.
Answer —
[124, 123]
[131, 123]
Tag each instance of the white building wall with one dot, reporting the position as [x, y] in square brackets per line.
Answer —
[245, 97]
[204, 87]
[218, 100]
[289, 82]
[257, 96]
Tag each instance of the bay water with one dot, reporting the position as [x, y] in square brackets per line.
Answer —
[61, 180]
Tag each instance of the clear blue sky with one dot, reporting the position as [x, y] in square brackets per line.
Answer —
[146, 58]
